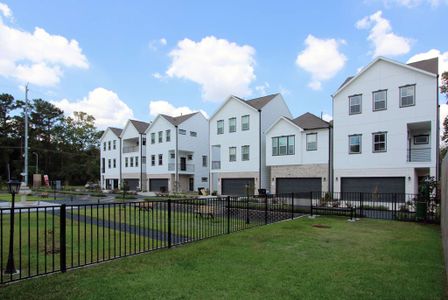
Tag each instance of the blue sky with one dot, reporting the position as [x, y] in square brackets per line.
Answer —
[113, 58]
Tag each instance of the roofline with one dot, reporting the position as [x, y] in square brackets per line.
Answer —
[374, 62]
[287, 120]
[126, 125]
[227, 100]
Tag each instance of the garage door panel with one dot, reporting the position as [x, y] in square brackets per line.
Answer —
[373, 185]
[298, 186]
[132, 184]
[158, 185]
[236, 186]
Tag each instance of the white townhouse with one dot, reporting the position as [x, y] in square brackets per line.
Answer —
[238, 143]
[177, 151]
[386, 127]
[133, 160]
[110, 155]
[298, 154]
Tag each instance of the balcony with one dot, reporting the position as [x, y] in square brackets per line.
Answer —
[130, 149]
[182, 167]
[419, 155]
[216, 165]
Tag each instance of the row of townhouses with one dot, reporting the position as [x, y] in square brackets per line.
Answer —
[384, 137]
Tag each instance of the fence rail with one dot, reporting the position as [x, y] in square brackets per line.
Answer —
[53, 239]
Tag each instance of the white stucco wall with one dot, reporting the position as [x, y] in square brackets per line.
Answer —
[110, 173]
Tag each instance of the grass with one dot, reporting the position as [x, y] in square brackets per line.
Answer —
[369, 259]
[7, 197]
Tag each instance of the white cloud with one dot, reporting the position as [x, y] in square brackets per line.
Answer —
[322, 59]
[163, 41]
[220, 67]
[157, 75]
[37, 57]
[443, 58]
[5, 11]
[164, 107]
[327, 117]
[263, 88]
[384, 41]
[155, 44]
[105, 105]
[414, 3]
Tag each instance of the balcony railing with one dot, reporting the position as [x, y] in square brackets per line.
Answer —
[130, 149]
[419, 154]
[216, 164]
[182, 167]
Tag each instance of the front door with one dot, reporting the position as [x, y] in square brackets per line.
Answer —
[191, 183]
[183, 164]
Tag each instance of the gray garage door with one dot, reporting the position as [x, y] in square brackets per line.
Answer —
[373, 184]
[301, 186]
[158, 185]
[236, 186]
[132, 184]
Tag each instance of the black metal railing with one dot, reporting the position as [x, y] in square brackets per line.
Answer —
[49, 239]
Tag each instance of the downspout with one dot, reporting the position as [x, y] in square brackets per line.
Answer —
[331, 149]
[438, 162]
[259, 150]
[141, 165]
[330, 159]
[121, 172]
[177, 161]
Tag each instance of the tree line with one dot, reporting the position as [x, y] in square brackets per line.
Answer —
[66, 146]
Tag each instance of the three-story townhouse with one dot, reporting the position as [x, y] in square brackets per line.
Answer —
[386, 127]
[177, 151]
[110, 157]
[238, 143]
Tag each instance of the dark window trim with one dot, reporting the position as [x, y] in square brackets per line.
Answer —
[373, 142]
[399, 94]
[349, 110]
[360, 144]
[306, 141]
[427, 135]
[373, 100]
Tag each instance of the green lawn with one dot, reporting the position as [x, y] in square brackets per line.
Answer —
[7, 197]
[369, 259]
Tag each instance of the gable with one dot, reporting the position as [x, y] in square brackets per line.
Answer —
[235, 104]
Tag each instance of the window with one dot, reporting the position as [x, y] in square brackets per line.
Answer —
[136, 161]
[245, 122]
[379, 100]
[144, 141]
[355, 102]
[204, 160]
[379, 140]
[172, 155]
[311, 142]
[274, 146]
[421, 139]
[168, 135]
[108, 145]
[153, 138]
[160, 159]
[232, 154]
[115, 163]
[160, 136]
[190, 157]
[143, 160]
[108, 163]
[354, 143]
[193, 133]
[407, 95]
[291, 145]
[283, 145]
[115, 144]
[220, 126]
[103, 164]
[182, 131]
[131, 162]
[104, 146]
[153, 160]
[204, 179]
[126, 162]
[232, 124]
[245, 152]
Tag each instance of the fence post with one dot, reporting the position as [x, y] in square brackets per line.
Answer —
[266, 209]
[169, 223]
[311, 203]
[292, 206]
[395, 207]
[361, 204]
[62, 239]
[247, 209]
[228, 214]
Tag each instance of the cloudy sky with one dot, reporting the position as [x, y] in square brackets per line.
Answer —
[119, 59]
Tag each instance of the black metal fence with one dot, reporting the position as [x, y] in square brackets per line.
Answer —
[388, 206]
[56, 238]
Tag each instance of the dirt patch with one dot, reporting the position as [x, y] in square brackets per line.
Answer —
[321, 226]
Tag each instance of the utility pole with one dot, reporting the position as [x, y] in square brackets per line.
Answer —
[25, 171]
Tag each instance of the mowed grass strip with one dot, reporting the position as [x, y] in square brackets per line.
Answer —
[369, 259]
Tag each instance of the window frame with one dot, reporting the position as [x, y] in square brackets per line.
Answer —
[232, 155]
[153, 160]
[230, 125]
[374, 142]
[136, 161]
[243, 123]
[307, 142]
[399, 95]
[373, 100]
[109, 163]
[349, 143]
[421, 135]
[153, 138]
[193, 134]
[204, 161]
[350, 104]
[276, 140]
[182, 132]
[160, 160]
[131, 162]
[114, 144]
[126, 162]
[160, 137]
[220, 129]
[168, 135]
[243, 154]
[114, 163]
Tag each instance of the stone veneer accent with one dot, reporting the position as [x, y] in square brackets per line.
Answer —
[300, 171]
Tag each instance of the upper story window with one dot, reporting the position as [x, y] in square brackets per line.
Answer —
[153, 160]
[311, 142]
[245, 152]
[109, 163]
[355, 103]
[153, 137]
[160, 136]
[168, 135]
[232, 124]
[115, 144]
[232, 154]
[354, 143]
[190, 157]
[379, 100]
[245, 122]
[131, 160]
[103, 164]
[283, 145]
[104, 146]
[115, 163]
[182, 131]
[204, 160]
[193, 133]
[172, 155]
[421, 139]
[379, 141]
[407, 95]
[144, 141]
[108, 145]
[126, 162]
[220, 126]
[160, 159]
[136, 161]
